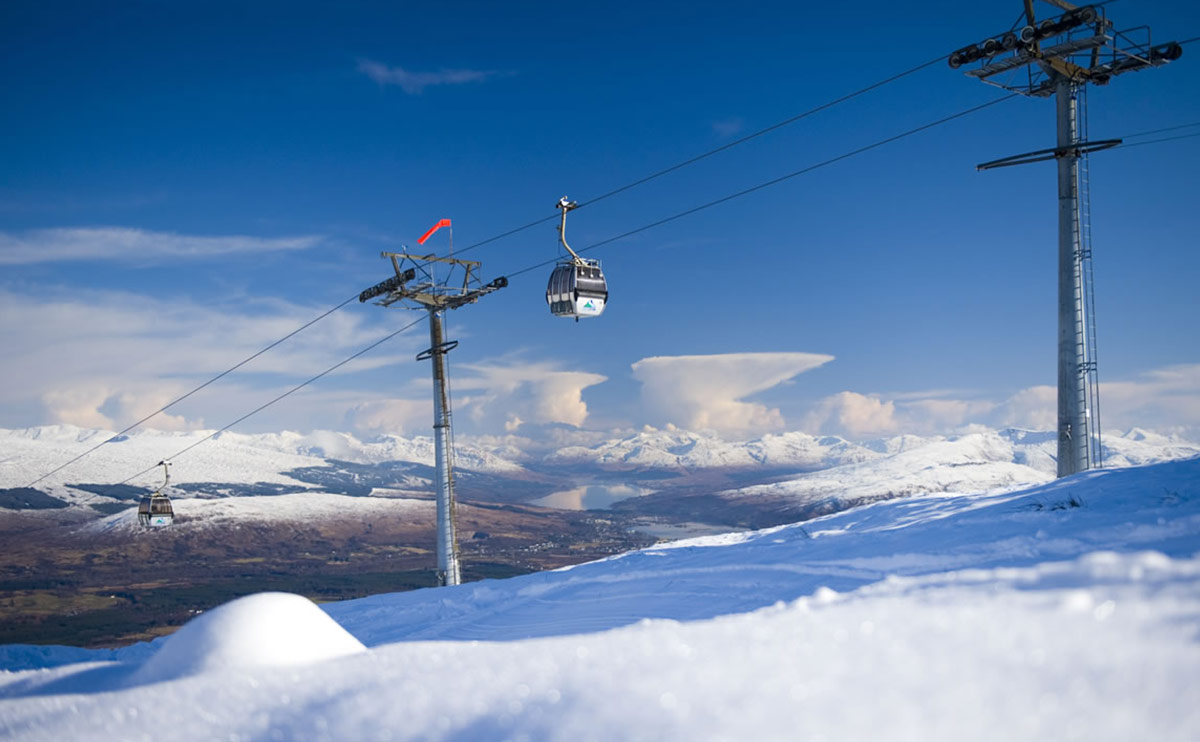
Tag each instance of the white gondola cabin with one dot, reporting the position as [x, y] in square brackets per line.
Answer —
[155, 511]
[577, 287]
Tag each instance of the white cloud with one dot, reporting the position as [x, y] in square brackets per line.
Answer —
[707, 392]
[946, 414]
[131, 245]
[107, 359]
[1034, 408]
[928, 413]
[78, 405]
[414, 83]
[1162, 399]
[510, 394]
[131, 405]
[1165, 399]
[853, 414]
[399, 416]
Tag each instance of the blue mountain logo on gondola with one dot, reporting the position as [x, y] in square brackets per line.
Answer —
[589, 305]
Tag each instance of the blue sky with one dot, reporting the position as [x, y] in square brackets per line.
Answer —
[187, 182]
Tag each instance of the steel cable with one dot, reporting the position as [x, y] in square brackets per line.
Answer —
[517, 230]
[288, 393]
[660, 222]
[179, 399]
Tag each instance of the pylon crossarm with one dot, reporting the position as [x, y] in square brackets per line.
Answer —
[1066, 68]
[1055, 58]
[1077, 150]
[473, 296]
[1081, 45]
[417, 285]
[445, 347]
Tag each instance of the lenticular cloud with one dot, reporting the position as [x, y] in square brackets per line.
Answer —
[706, 392]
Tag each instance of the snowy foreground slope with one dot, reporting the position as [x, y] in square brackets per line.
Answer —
[1070, 610]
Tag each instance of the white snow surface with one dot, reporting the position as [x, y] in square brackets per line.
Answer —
[227, 458]
[681, 449]
[346, 447]
[1069, 610]
[971, 463]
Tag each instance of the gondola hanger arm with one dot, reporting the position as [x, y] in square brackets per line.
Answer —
[566, 206]
[166, 475]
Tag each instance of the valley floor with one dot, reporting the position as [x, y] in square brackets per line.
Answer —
[69, 582]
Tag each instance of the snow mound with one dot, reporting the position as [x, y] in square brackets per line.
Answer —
[260, 630]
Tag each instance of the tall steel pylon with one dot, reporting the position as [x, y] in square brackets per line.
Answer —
[415, 286]
[1059, 57]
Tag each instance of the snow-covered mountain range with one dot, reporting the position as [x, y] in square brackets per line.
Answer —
[786, 475]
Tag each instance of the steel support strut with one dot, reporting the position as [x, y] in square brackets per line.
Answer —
[1073, 423]
[447, 542]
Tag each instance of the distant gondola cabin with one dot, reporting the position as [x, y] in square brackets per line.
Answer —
[156, 511]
